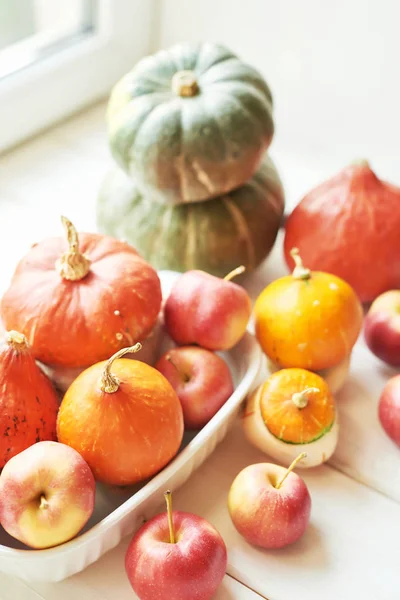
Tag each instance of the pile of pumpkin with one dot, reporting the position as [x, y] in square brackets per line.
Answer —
[189, 128]
[78, 312]
[73, 303]
[77, 305]
[83, 303]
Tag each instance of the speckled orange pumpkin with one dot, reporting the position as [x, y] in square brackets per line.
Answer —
[308, 319]
[80, 300]
[291, 412]
[28, 402]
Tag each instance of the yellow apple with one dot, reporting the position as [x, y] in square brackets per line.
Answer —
[47, 495]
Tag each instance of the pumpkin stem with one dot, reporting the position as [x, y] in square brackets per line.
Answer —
[235, 272]
[17, 341]
[362, 163]
[110, 383]
[168, 499]
[184, 83]
[300, 399]
[290, 469]
[72, 265]
[184, 376]
[300, 271]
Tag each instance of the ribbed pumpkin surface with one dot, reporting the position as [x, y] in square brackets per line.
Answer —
[186, 145]
[284, 419]
[217, 236]
[129, 434]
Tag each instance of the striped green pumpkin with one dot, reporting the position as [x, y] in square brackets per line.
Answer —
[215, 236]
[190, 123]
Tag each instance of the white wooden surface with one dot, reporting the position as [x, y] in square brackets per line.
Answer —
[105, 580]
[349, 550]
[351, 547]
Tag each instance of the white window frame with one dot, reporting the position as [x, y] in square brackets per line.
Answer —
[53, 88]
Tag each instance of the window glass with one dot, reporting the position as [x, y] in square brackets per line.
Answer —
[33, 29]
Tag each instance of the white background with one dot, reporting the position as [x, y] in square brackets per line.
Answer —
[333, 66]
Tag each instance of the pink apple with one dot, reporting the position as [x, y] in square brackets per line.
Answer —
[389, 409]
[201, 379]
[382, 327]
[47, 495]
[268, 509]
[190, 565]
[206, 310]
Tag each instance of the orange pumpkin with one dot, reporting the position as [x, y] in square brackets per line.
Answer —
[123, 417]
[308, 319]
[297, 406]
[79, 306]
[28, 402]
[291, 412]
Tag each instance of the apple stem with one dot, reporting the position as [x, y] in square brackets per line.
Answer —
[300, 271]
[168, 499]
[300, 399]
[110, 383]
[184, 376]
[43, 503]
[290, 469]
[235, 272]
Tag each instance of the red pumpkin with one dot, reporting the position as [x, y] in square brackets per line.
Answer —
[79, 305]
[350, 226]
[28, 402]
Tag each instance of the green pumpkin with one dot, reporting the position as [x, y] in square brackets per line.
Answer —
[216, 236]
[190, 123]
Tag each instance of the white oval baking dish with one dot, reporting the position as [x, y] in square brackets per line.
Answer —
[118, 511]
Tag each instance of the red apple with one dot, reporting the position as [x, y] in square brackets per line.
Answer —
[201, 379]
[389, 409]
[206, 310]
[269, 505]
[382, 327]
[47, 495]
[176, 556]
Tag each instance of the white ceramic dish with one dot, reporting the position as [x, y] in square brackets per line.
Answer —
[119, 511]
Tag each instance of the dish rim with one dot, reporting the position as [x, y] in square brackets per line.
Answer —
[253, 351]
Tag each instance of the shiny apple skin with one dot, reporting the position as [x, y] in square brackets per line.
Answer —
[59, 474]
[190, 569]
[264, 515]
[389, 409]
[206, 310]
[202, 381]
[382, 327]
